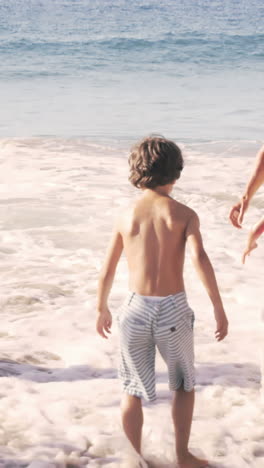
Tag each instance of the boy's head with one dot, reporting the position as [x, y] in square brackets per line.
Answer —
[155, 161]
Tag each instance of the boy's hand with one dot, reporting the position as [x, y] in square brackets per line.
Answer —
[103, 322]
[222, 325]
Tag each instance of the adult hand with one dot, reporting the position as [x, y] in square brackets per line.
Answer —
[237, 212]
[251, 246]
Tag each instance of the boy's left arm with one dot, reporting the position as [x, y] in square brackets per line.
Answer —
[115, 248]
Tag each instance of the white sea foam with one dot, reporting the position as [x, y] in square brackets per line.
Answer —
[59, 391]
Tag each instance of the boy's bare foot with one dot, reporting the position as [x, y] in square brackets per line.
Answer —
[190, 461]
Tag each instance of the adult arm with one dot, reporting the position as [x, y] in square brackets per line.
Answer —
[237, 212]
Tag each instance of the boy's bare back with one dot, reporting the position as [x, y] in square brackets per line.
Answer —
[153, 231]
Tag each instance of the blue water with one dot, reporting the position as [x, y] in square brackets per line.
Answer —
[192, 70]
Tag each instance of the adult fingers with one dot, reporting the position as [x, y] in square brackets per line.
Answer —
[242, 210]
[248, 250]
[244, 257]
[234, 216]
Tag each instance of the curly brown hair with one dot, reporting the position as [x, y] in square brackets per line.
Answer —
[155, 161]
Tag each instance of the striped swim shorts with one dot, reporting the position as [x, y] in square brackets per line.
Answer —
[147, 322]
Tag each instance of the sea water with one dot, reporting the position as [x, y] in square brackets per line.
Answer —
[80, 82]
[120, 69]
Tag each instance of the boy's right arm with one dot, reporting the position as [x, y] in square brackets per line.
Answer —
[206, 273]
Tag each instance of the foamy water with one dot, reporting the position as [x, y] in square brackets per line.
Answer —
[59, 391]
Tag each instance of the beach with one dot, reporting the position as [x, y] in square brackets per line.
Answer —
[81, 81]
[59, 388]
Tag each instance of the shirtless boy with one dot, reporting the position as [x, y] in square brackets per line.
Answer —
[153, 233]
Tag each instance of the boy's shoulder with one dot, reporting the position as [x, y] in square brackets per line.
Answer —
[170, 207]
[124, 213]
[180, 209]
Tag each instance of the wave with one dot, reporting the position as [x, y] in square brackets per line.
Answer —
[56, 59]
[233, 46]
[84, 145]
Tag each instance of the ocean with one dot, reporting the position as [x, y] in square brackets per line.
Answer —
[117, 70]
[80, 82]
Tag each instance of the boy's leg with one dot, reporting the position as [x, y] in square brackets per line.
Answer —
[182, 413]
[137, 364]
[132, 419]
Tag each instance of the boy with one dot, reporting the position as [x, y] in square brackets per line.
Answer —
[153, 233]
